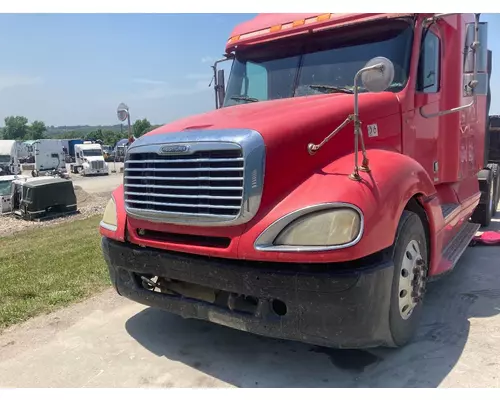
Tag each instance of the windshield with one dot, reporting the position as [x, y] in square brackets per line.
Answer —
[92, 153]
[5, 188]
[4, 159]
[319, 65]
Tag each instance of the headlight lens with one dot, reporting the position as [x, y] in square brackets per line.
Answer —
[323, 228]
[109, 218]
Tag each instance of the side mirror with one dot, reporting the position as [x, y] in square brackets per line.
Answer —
[378, 74]
[221, 87]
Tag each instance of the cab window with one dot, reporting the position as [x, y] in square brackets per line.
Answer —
[429, 64]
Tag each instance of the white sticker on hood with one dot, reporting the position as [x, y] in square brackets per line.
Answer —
[372, 130]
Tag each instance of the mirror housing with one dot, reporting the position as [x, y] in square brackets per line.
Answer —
[378, 79]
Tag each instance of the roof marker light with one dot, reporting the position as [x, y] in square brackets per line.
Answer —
[282, 27]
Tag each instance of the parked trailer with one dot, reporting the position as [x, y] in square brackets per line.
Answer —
[345, 167]
[9, 160]
[49, 156]
[71, 148]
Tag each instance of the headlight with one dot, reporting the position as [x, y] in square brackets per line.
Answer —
[109, 219]
[330, 227]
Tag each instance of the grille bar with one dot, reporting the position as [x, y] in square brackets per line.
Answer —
[183, 204]
[208, 169]
[193, 160]
[187, 178]
[189, 214]
[185, 196]
[183, 187]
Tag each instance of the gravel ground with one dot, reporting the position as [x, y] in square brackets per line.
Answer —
[88, 204]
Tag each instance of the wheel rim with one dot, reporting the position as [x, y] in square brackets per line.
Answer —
[411, 280]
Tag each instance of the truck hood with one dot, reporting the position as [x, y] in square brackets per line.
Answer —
[289, 125]
[282, 118]
[94, 158]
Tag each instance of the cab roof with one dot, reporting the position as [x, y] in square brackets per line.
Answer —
[266, 27]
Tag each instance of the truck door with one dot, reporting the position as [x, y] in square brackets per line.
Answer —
[422, 143]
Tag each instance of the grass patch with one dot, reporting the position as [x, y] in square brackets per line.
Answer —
[45, 269]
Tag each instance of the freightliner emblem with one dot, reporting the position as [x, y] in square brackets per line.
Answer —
[174, 149]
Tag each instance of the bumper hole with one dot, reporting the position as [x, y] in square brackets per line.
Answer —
[279, 307]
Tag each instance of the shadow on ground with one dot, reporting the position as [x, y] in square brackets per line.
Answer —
[246, 360]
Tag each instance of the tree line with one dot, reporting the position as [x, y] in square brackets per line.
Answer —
[18, 128]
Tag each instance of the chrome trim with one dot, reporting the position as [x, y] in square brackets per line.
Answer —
[248, 141]
[265, 240]
[109, 227]
[185, 161]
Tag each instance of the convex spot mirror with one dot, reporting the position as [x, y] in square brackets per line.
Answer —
[378, 74]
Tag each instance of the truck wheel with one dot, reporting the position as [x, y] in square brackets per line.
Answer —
[483, 212]
[410, 257]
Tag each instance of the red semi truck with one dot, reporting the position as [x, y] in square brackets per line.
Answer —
[345, 166]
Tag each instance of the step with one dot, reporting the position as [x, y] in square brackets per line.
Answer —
[448, 209]
[460, 242]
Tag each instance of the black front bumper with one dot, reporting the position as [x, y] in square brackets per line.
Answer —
[327, 305]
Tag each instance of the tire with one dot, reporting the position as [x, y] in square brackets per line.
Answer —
[483, 212]
[410, 256]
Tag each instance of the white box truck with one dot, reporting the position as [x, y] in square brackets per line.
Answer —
[89, 160]
[49, 155]
[9, 161]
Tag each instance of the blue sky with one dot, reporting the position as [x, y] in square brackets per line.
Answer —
[69, 69]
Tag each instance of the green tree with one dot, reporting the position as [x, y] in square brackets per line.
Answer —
[94, 135]
[37, 130]
[110, 137]
[16, 128]
[141, 127]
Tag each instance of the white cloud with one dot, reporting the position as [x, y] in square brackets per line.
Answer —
[152, 94]
[13, 80]
[149, 81]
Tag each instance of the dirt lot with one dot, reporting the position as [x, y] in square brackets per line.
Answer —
[108, 341]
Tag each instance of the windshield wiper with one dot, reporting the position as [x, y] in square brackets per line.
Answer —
[332, 89]
[244, 98]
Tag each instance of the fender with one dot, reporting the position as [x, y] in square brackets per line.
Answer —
[121, 216]
[381, 196]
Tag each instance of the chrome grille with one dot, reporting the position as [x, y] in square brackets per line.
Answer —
[204, 183]
[195, 178]
[97, 164]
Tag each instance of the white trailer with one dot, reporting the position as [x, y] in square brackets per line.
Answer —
[49, 155]
[23, 151]
[9, 161]
[89, 160]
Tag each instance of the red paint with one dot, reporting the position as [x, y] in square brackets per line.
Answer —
[401, 158]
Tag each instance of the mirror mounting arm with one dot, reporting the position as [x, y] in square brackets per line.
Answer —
[217, 86]
[358, 135]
